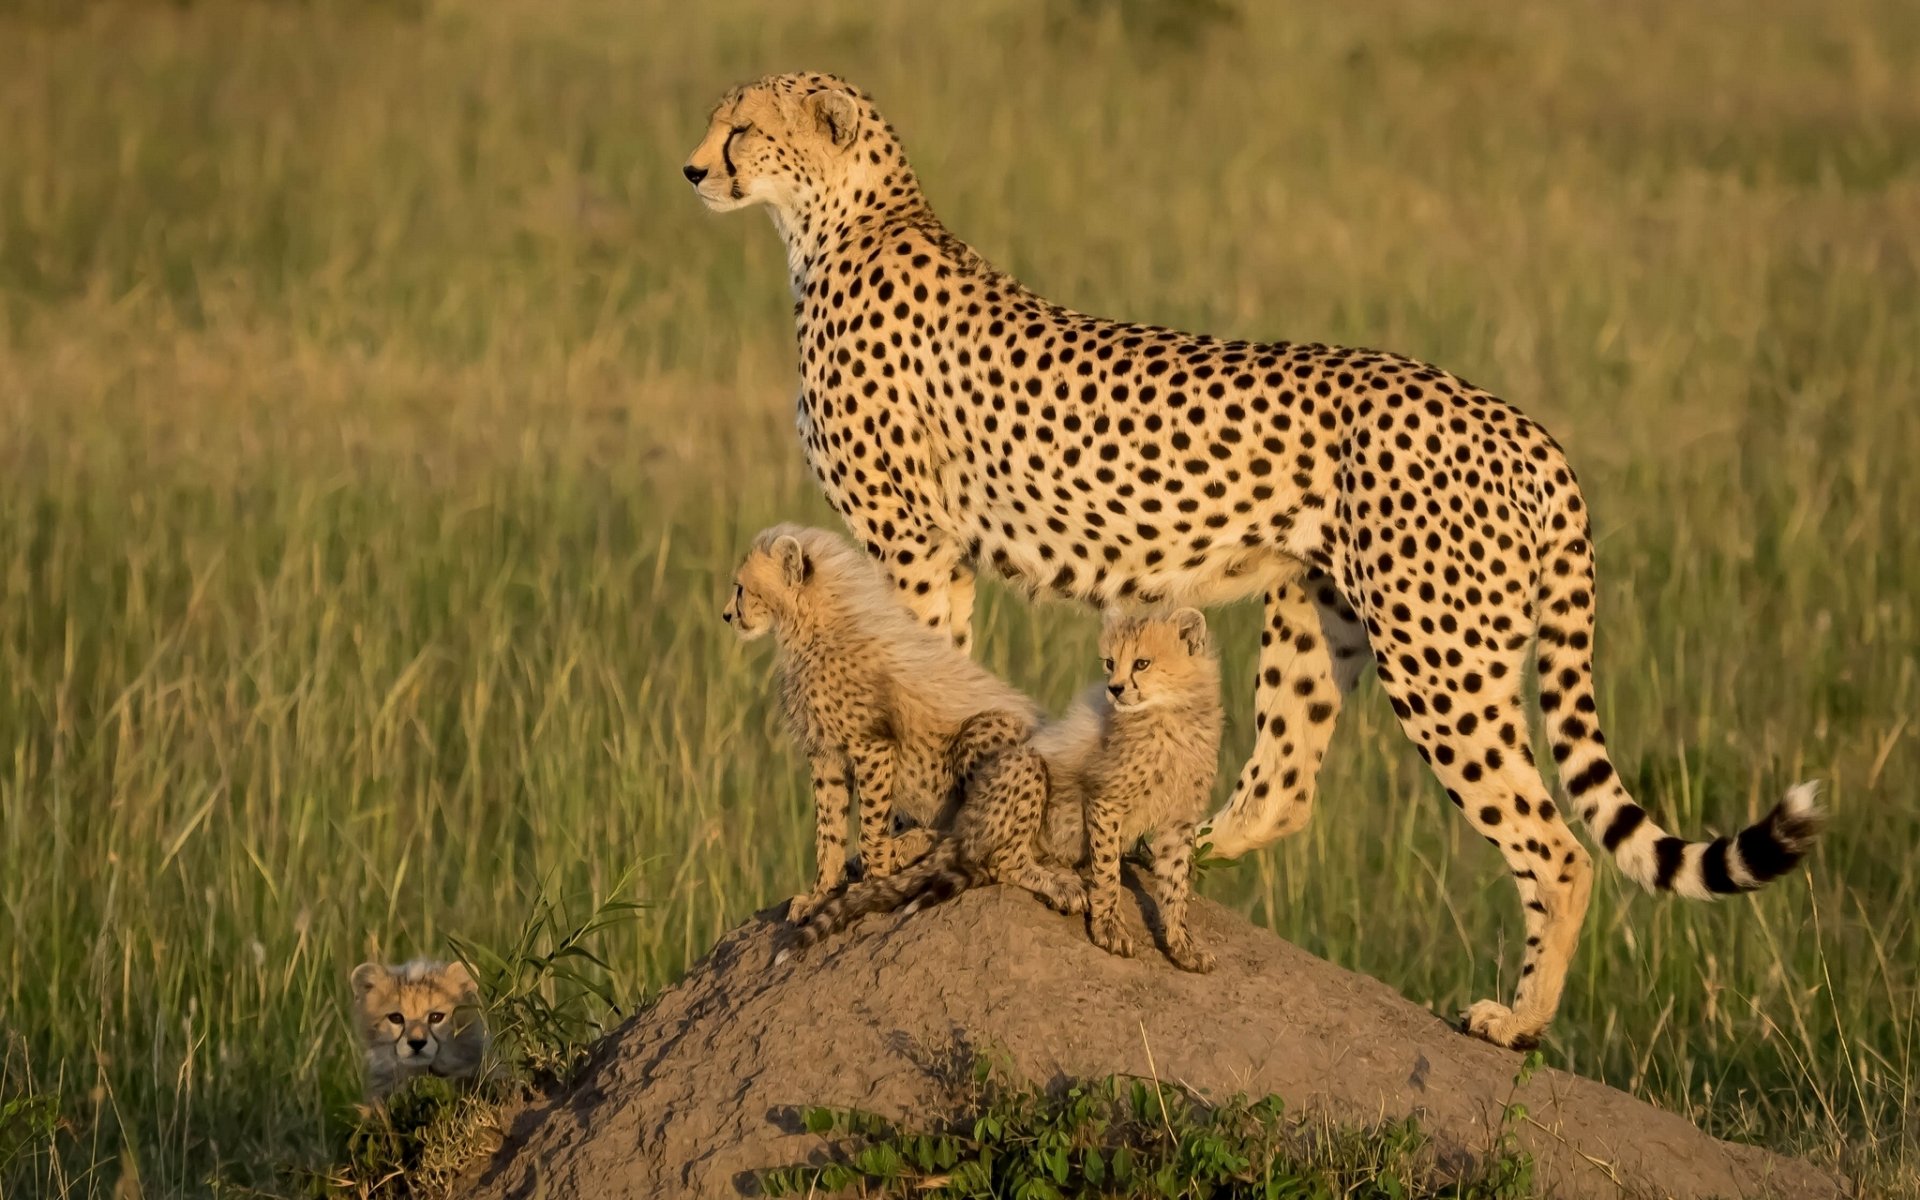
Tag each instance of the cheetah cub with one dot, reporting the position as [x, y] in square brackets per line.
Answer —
[417, 1018]
[876, 699]
[1136, 758]
[1153, 774]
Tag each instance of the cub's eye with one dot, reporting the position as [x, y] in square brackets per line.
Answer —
[434, 1018]
[1108, 662]
[397, 1018]
[1141, 664]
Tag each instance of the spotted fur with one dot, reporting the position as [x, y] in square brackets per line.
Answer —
[1387, 511]
[1135, 759]
[875, 699]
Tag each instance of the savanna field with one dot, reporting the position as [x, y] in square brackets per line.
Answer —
[381, 417]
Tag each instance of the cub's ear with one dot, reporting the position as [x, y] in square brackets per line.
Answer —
[366, 977]
[1192, 628]
[459, 978]
[837, 116]
[794, 567]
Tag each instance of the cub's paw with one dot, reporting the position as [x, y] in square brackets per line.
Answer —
[1073, 897]
[803, 906]
[1189, 957]
[1493, 1022]
[911, 846]
[1064, 892]
[1111, 935]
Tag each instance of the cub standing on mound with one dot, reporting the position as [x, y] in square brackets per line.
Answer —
[417, 1018]
[1388, 511]
[1135, 759]
[871, 694]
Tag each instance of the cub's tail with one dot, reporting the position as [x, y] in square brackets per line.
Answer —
[935, 876]
[1646, 853]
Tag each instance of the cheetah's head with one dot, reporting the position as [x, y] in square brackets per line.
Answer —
[413, 1010]
[767, 583]
[1153, 661]
[786, 140]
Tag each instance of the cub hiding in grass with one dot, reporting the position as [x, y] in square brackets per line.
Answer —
[417, 1018]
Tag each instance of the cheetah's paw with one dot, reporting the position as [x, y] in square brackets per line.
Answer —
[803, 906]
[1111, 935]
[1494, 1022]
[1189, 957]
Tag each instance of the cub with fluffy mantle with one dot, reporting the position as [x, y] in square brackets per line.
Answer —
[1135, 758]
[876, 699]
[417, 1018]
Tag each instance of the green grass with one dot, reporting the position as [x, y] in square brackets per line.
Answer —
[380, 416]
[1123, 1138]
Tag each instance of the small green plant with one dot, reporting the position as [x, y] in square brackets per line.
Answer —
[549, 993]
[413, 1145]
[1125, 1136]
[27, 1122]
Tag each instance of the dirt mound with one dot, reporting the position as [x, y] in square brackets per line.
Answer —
[694, 1095]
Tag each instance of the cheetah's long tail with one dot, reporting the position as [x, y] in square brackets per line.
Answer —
[1646, 853]
[936, 875]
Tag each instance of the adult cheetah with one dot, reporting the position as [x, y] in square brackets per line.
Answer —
[1387, 510]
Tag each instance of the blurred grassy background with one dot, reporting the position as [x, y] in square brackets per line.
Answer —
[380, 418]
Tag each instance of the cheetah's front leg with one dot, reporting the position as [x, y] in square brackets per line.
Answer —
[1103, 893]
[1171, 850]
[830, 800]
[873, 775]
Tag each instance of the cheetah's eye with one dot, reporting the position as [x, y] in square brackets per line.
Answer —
[434, 1018]
[1109, 664]
[397, 1018]
[1141, 664]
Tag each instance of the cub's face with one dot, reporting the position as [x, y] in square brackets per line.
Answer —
[766, 585]
[774, 141]
[1153, 660]
[414, 1010]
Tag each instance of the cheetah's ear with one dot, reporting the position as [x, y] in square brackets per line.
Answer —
[837, 116]
[459, 978]
[1192, 628]
[366, 977]
[792, 558]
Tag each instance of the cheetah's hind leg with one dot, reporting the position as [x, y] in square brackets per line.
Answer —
[1308, 646]
[1000, 828]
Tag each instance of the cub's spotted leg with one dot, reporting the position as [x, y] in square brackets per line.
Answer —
[873, 774]
[830, 801]
[1103, 893]
[1474, 736]
[934, 580]
[1000, 828]
[1172, 883]
[1311, 652]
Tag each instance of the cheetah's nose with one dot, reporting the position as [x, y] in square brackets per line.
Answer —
[694, 174]
[418, 1044]
[1114, 689]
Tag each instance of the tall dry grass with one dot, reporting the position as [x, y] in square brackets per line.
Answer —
[379, 418]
